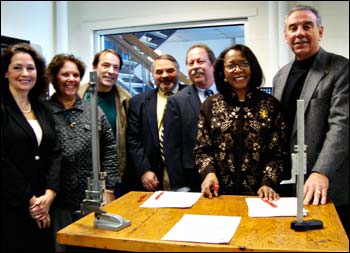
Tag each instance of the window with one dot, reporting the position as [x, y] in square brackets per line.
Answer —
[139, 46]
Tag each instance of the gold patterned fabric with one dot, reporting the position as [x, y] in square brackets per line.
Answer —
[244, 143]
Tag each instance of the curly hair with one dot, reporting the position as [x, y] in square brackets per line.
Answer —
[41, 86]
[57, 63]
[256, 79]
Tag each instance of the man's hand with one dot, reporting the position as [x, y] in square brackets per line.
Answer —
[315, 188]
[150, 181]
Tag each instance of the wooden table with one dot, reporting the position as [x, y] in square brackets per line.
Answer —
[149, 225]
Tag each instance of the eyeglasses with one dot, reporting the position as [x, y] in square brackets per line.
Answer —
[232, 66]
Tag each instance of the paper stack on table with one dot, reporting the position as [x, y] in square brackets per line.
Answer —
[285, 206]
[204, 228]
[172, 199]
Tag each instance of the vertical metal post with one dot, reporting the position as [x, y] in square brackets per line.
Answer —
[102, 219]
[94, 133]
[300, 164]
[301, 161]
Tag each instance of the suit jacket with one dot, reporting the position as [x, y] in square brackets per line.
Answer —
[27, 169]
[180, 136]
[326, 96]
[143, 140]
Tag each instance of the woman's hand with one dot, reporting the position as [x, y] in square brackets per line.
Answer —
[44, 222]
[39, 208]
[210, 186]
[268, 193]
[108, 196]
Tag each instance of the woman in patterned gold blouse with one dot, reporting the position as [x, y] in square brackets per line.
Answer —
[241, 143]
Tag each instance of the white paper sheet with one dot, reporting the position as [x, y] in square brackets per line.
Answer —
[286, 206]
[204, 228]
[172, 199]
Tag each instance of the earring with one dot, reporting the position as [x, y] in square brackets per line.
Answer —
[225, 80]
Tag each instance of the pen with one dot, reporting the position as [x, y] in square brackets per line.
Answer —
[160, 194]
[215, 187]
[142, 197]
[269, 202]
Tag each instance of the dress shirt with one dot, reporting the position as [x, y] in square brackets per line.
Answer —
[201, 92]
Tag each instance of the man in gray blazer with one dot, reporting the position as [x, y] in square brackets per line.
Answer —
[321, 79]
[181, 118]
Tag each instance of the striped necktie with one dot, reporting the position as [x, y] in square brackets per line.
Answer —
[166, 183]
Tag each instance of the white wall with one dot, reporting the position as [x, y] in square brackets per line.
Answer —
[37, 22]
[30, 20]
[335, 19]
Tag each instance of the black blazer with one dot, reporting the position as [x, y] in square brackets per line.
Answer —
[26, 169]
[143, 140]
[180, 137]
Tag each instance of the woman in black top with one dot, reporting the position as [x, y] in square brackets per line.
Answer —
[30, 154]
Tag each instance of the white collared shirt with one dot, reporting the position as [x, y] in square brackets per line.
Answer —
[201, 91]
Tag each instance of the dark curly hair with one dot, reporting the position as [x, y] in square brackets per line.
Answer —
[41, 86]
[57, 63]
[256, 79]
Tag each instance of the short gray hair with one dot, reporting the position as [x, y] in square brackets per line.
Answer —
[306, 8]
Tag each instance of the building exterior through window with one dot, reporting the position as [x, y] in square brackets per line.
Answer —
[139, 46]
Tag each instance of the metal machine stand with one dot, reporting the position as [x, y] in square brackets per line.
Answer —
[94, 192]
[298, 170]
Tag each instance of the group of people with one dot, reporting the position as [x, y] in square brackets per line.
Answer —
[220, 135]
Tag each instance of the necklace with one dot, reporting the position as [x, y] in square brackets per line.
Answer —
[29, 109]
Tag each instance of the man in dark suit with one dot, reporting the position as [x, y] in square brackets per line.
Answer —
[146, 170]
[321, 79]
[181, 118]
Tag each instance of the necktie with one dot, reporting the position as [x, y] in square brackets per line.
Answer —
[168, 93]
[208, 93]
[166, 183]
[161, 136]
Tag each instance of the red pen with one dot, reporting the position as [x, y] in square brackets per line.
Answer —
[142, 197]
[215, 187]
[269, 202]
[160, 194]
